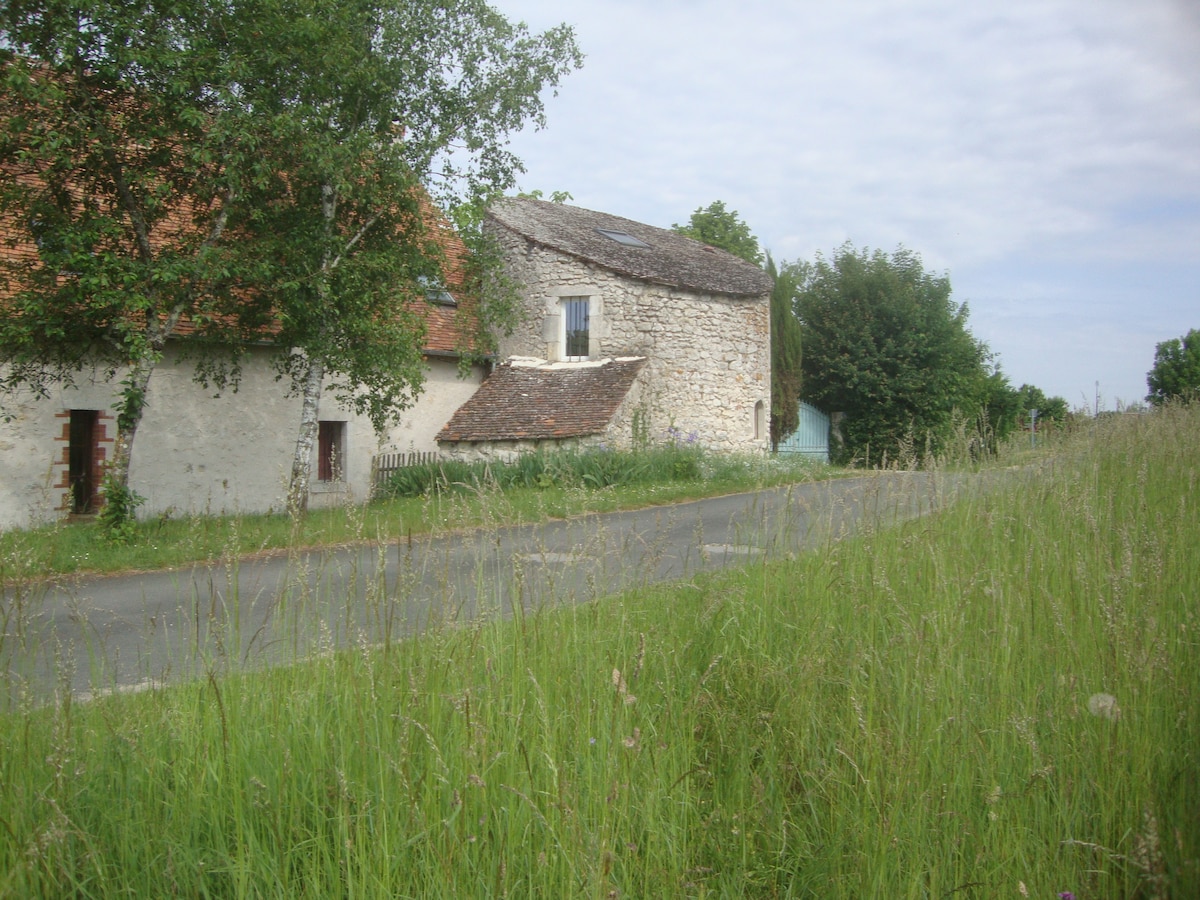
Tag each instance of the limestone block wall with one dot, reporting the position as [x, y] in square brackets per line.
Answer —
[196, 453]
[709, 370]
[508, 451]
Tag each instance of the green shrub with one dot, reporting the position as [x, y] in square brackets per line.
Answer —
[591, 468]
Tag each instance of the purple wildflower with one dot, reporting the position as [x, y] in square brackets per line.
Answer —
[1066, 895]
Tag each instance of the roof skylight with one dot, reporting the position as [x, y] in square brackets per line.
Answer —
[622, 237]
[435, 291]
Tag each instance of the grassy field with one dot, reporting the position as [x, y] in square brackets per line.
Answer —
[1002, 700]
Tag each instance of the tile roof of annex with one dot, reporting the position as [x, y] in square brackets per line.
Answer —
[522, 401]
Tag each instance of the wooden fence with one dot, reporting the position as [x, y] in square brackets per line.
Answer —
[387, 464]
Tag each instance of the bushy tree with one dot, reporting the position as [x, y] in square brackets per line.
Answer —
[1176, 371]
[720, 227]
[786, 353]
[886, 345]
[1000, 408]
[367, 104]
[1050, 409]
[1007, 409]
[247, 164]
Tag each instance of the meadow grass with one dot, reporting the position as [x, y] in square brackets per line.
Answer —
[999, 700]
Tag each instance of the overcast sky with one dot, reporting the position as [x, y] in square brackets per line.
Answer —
[1043, 153]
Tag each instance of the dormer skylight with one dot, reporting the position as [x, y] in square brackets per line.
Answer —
[435, 291]
[622, 237]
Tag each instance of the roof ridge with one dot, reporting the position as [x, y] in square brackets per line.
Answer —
[660, 256]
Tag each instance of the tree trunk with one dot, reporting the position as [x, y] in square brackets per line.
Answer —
[297, 499]
[120, 503]
[129, 417]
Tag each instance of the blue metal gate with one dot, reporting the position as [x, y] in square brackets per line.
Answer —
[811, 438]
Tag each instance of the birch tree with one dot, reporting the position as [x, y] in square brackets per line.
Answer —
[373, 108]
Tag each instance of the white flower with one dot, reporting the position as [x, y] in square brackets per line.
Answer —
[1105, 706]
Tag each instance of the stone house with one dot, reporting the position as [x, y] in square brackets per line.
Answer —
[630, 333]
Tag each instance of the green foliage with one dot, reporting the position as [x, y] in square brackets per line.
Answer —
[1001, 409]
[362, 106]
[555, 196]
[120, 172]
[1007, 409]
[591, 468]
[1176, 371]
[1050, 409]
[720, 227]
[886, 345]
[250, 165]
[118, 516]
[787, 376]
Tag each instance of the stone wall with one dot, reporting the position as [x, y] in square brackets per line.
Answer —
[709, 355]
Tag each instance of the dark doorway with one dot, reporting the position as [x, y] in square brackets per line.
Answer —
[330, 449]
[81, 461]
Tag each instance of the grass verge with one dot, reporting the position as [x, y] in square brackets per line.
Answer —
[999, 700]
[467, 497]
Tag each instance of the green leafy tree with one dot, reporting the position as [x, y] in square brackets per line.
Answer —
[365, 104]
[1176, 371]
[1001, 408]
[242, 165]
[1050, 409]
[886, 345]
[786, 353]
[120, 172]
[720, 227]
[1008, 408]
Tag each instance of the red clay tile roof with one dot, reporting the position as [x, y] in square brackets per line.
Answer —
[524, 402]
[448, 329]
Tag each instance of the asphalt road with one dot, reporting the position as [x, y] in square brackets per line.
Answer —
[95, 634]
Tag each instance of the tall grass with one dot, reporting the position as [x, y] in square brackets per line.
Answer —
[591, 468]
[999, 700]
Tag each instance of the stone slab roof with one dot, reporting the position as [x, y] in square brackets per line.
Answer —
[531, 400]
[667, 258]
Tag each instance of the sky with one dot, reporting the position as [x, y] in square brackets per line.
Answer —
[1044, 154]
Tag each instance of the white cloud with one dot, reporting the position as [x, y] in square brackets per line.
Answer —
[993, 138]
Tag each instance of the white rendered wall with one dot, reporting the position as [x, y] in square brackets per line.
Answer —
[196, 453]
